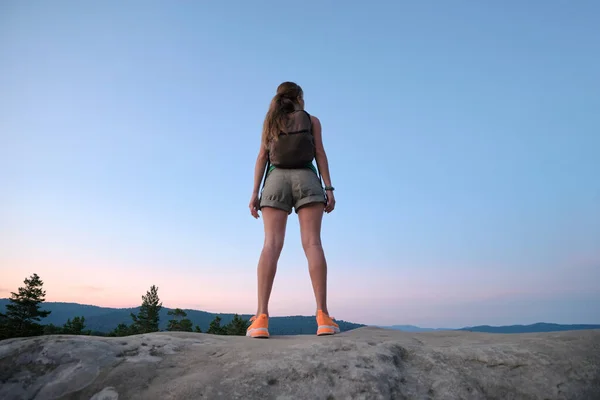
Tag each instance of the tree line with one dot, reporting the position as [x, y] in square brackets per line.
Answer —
[24, 314]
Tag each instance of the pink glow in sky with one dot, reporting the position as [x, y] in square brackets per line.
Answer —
[404, 297]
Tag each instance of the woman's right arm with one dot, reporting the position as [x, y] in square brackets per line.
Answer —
[259, 168]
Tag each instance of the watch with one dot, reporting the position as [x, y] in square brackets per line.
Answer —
[329, 188]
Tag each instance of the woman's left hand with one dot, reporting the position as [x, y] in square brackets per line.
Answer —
[330, 202]
[254, 205]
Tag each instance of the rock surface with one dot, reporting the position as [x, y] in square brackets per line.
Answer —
[367, 363]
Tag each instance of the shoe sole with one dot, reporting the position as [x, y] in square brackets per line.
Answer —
[326, 330]
[258, 333]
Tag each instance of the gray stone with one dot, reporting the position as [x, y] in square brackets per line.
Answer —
[108, 393]
[367, 363]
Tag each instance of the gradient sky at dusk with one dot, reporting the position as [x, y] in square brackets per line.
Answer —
[463, 140]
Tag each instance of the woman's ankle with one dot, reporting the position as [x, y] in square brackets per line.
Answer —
[324, 310]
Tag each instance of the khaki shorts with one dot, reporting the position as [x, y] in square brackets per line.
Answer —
[291, 188]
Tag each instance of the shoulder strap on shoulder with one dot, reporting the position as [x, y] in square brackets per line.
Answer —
[309, 120]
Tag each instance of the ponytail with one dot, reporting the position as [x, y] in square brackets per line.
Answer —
[282, 104]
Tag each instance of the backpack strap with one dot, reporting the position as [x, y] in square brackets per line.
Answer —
[266, 173]
[316, 163]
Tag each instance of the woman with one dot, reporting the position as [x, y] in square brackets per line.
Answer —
[291, 139]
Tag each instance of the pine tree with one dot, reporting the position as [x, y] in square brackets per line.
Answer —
[23, 312]
[215, 327]
[123, 330]
[182, 324]
[148, 317]
[4, 328]
[75, 327]
[237, 326]
[197, 329]
[174, 323]
[51, 329]
[185, 325]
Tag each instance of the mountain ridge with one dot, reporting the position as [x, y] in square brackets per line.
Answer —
[412, 328]
[105, 319]
[530, 328]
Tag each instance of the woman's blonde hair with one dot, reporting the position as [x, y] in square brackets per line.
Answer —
[283, 103]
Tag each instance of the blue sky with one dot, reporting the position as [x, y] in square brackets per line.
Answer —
[462, 138]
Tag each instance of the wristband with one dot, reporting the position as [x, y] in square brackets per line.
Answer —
[329, 188]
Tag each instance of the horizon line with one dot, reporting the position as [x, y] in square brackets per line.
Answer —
[358, 323]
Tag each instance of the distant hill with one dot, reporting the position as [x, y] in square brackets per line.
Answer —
[412, 328]
[533, 328]
[105, 319]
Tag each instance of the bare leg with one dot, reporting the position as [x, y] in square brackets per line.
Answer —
[310, 218]
[275, 221]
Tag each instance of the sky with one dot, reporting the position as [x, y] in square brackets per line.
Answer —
[462, 140]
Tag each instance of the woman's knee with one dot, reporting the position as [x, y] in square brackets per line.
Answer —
[273, 243]
[311, 241]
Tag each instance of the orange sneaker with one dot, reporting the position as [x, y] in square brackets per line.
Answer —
[325, 324]
[259, 327]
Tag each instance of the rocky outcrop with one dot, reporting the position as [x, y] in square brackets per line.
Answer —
[367, 363]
